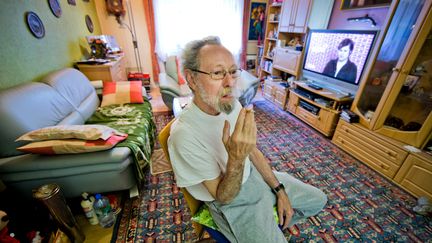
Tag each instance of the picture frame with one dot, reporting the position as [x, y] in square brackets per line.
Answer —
[257, 21]
[359, 4]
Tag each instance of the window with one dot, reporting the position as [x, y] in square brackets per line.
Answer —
[178, 22]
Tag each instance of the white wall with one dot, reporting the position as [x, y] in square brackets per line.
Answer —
[109, 26]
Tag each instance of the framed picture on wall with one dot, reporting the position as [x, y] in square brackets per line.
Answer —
[356, 4]
[257, 21]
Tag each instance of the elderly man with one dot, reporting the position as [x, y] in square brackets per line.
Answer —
[214, 156]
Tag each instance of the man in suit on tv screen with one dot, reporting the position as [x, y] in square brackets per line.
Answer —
[342, 67]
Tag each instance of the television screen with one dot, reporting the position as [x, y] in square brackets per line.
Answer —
[337, 55]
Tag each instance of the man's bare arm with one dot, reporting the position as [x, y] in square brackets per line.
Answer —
[226, 187]
[261, 164]
[239, 145]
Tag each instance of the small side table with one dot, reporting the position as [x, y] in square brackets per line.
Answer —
[111, 71]
[179, 103]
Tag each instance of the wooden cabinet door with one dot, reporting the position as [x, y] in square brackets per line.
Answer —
[285, 20]
[293, 101]
[280, 97]
[301, 16]
[118, 70]
[268, 91]
[287, 60]
[415, 175]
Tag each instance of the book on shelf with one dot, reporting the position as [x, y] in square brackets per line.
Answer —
[349, 116]
[274, 78]
[260, 51]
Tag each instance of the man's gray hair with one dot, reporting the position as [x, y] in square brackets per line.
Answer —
[190, 59]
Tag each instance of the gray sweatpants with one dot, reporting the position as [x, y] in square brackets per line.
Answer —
[249, 217]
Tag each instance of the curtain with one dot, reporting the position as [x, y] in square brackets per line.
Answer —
[149, 15]
[400, 29]
[245, 33]
[178, 22]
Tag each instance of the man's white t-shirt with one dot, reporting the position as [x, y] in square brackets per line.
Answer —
[196, 149]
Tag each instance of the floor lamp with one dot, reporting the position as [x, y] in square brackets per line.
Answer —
[133, 34]
[132, 31]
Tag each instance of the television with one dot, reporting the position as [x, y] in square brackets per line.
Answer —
[336, 59]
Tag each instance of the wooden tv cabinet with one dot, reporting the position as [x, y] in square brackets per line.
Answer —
[318, 108]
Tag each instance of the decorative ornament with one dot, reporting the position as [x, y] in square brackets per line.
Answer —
[55, 7]
[98, 49]
[115, 7]
[89, 23]
[71, 2]
[35, 24]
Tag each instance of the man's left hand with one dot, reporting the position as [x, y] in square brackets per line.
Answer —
[285, 211]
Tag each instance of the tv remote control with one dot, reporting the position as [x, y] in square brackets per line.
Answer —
[313, 86]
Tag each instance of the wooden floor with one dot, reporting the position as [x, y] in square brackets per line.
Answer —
[156, 101]
[95, 233]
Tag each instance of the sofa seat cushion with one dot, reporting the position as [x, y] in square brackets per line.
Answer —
[29, 107]
[32, 166]
[98, 172]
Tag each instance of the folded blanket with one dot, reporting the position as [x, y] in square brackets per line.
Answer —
[137, 121]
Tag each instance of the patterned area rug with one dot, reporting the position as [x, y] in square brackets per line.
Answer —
[362, 206]
[159, 163]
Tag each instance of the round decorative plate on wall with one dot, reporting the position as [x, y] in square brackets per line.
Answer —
[89, 23]
[35, 24]
[55, 7]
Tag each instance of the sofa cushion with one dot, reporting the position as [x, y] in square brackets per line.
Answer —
[118, 93]
[173, 69]
[75, 87]
[38, 165]
[180, 79]
[28, 107]
[71, 146]
[88, 132]
[103, 171]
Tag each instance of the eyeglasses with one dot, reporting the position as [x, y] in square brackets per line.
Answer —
[219, 75]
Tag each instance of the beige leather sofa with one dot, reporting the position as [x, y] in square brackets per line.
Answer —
[63, 97]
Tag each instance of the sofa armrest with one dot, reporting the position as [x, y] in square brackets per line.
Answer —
[166, 83]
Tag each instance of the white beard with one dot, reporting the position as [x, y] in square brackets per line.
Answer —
[214, 101]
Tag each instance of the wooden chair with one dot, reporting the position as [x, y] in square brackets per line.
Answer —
[193, 204]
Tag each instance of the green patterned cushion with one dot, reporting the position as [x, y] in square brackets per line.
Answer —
[204, 217]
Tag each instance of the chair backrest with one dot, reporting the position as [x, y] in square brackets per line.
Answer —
[192, 203]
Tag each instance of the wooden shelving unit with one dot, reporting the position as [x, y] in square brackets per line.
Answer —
[277, 59]
[318, 108]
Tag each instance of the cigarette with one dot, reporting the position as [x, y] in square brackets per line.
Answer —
[249, 108]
